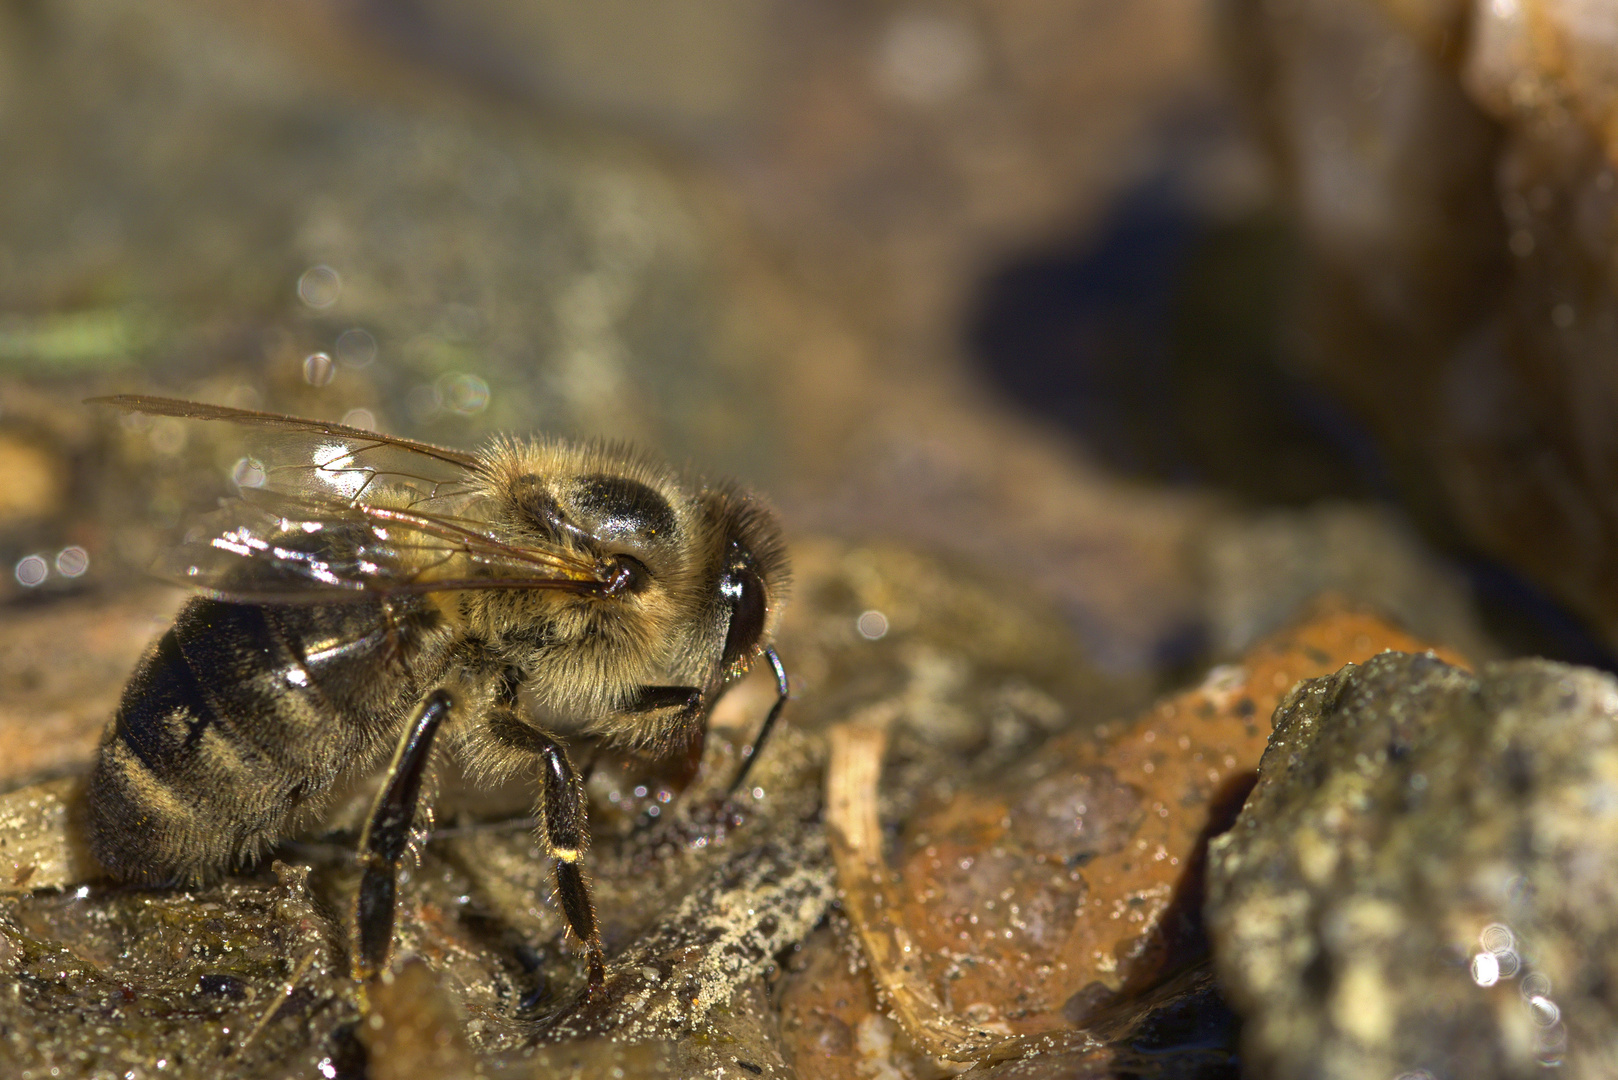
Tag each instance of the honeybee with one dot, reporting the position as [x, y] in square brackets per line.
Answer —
[365, 593]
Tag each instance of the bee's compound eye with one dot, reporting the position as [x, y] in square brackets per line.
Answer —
[625, 574]
[745, 592]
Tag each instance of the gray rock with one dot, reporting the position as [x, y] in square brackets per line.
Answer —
[1262, 569]
[1423, 882]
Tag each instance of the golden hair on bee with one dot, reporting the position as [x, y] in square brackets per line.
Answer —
[376, 590]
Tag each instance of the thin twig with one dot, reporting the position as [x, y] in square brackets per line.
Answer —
[274, 1007]
[868, 900]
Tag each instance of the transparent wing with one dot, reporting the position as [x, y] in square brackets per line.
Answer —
[329, 511]
[272, 548]
[326, 461]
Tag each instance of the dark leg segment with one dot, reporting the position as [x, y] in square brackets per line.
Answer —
[750, 755]
[647, 699]
[387, 835]
[681, 709]
[562, 795]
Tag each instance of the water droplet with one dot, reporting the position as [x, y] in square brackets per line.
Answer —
[318, 369]
[356, 348]
[1497, 938]
[360, 418]
[31, 571]
[247, 473]
[462, 393]
[72, 561]
[872, 625]
[318, 287]
[1485, 969]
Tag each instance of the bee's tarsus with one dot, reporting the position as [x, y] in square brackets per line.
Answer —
[565, 832]
[596, 987]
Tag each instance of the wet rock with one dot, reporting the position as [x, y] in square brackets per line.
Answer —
[1421, 882]
[1036, 901]
[832, 1024]
[835, 1029]
[721, 935]
[42, 844]
[696, 901]
[1071, 879]
[967, 672]
[118, 985]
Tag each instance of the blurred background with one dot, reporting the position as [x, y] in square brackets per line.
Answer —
[1175, 312]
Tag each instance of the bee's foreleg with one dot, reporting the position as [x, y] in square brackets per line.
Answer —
[565, 831]
[750, 755]
[387, 836]
[679, 711]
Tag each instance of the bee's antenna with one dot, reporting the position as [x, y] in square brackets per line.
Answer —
[750, 754]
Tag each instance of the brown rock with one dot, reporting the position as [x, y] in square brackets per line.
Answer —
[62, 668]
[1027, 903]
[831, 1021]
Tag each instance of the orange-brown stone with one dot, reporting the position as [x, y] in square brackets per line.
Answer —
[1074, 878]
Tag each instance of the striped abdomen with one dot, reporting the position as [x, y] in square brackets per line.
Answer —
[237, 715]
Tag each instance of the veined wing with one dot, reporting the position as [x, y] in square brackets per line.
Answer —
[325, 461]
[269, 547]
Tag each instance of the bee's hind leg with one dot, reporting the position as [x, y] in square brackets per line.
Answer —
[565, 832]
[387, 836]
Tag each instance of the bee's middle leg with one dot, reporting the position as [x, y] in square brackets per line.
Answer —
[565, 832]
[387, 836]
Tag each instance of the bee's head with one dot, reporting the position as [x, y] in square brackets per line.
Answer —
[698, 577]
[620, 510]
